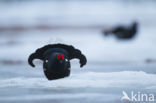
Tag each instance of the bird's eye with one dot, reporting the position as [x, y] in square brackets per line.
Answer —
[66, 60]
[46, 61]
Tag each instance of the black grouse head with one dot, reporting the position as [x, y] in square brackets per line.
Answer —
[56, 65]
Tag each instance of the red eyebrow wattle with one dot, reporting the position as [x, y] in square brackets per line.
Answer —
[58, 57]
[62, 56]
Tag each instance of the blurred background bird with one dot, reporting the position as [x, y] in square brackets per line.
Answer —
[123, 32]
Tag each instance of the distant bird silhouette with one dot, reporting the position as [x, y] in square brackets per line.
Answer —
[123, 32]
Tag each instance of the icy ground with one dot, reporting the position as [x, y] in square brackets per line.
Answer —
[96, 84]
